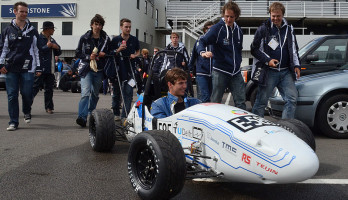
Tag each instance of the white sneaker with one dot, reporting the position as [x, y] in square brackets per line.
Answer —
[27, 118]
[117, 118]
[12, 127]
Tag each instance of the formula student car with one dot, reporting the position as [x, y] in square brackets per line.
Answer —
[207, 140]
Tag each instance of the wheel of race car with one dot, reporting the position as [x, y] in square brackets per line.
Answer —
[102, 130]
[332, 117]
[300, 129]
[156, 165]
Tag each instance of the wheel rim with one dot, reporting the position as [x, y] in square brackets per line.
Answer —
[92, 132]
[337, 117]
[146, 167]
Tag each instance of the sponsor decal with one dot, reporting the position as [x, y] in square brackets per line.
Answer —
[247, 123]
[196, 132]
[229, 148]
[266, 168]
[246, 159]
[164, 126]
[239, 112]
[212, 139]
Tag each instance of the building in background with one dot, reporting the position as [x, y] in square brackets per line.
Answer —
[311, 19]
[72, 19]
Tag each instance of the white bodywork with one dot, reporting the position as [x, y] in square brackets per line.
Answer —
[242, 146]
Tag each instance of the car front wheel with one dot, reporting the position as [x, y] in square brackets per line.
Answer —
[332, 117]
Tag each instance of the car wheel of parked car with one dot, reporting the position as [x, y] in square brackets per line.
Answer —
[300, 129]
[102, 130]
[156, 165]
[332, 118]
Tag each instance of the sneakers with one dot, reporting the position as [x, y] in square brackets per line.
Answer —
[49, 111]
[27, 118]
[117, 118]
[12, 127]
[80, 121]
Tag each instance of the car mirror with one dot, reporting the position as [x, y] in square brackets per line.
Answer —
[312, 57]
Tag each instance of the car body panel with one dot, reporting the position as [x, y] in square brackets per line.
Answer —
[242, 146]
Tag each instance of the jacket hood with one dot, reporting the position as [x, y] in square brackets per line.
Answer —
[27, 27]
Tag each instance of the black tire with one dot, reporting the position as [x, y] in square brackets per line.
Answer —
[300, 129]
[102, 130]
[156, 165]
[332, 117]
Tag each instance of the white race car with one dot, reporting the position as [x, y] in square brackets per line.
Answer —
[207, 140]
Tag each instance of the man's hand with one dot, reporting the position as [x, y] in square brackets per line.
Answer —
[183, 63]
[298, 73]
[132, 56]
[101, 54]
[273, 63]
[121, 48]
[38, 73]
[207, 54]
[93, 56]
[3, 70]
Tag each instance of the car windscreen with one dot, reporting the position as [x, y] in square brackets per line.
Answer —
[305, 48]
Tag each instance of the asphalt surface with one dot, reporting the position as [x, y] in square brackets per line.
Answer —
[51, 158]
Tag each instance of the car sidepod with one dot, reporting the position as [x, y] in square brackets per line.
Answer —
[241, 146]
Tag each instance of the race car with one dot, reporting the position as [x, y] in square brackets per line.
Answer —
[207, 140]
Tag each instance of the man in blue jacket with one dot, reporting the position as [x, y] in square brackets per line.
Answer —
[19, 60]
[275, 51]
[203, 68]
[176, 101]
[126, 48]
[227, 40]
[49, 48]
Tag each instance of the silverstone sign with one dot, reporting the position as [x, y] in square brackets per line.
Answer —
[43, 10]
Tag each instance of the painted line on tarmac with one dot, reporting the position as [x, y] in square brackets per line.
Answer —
[325, 181]
[309, 181]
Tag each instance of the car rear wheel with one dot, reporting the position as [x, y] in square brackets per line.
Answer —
[332, 118]
[300, 129]
[102, 130]
[156, 165]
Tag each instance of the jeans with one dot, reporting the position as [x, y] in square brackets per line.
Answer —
[16, 81]
[47, 82]
[236, 85]
[90, 86]
[204, 88]
[127, 91]
[285, 83]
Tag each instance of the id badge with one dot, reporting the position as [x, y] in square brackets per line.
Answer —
[131, 82]
[273, 44]
[26, 63]
[226, 41]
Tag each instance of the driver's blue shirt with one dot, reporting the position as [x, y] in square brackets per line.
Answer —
[164, 107]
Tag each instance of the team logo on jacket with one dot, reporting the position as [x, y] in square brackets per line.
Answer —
[11, 36]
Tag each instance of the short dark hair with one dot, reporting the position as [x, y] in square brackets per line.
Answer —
[123, 20]
[205, 27]
[20, 3]
[175, 74]
[99, 19]
[276, 6]
[231, 6]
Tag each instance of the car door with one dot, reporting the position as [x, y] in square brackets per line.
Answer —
[327, 56]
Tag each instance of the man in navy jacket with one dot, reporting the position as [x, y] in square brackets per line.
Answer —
[19, 60]
[203, 69]
[275, 51]
[227, 40]
[48, 50]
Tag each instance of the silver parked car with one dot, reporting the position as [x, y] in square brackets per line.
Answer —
[322, 102]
